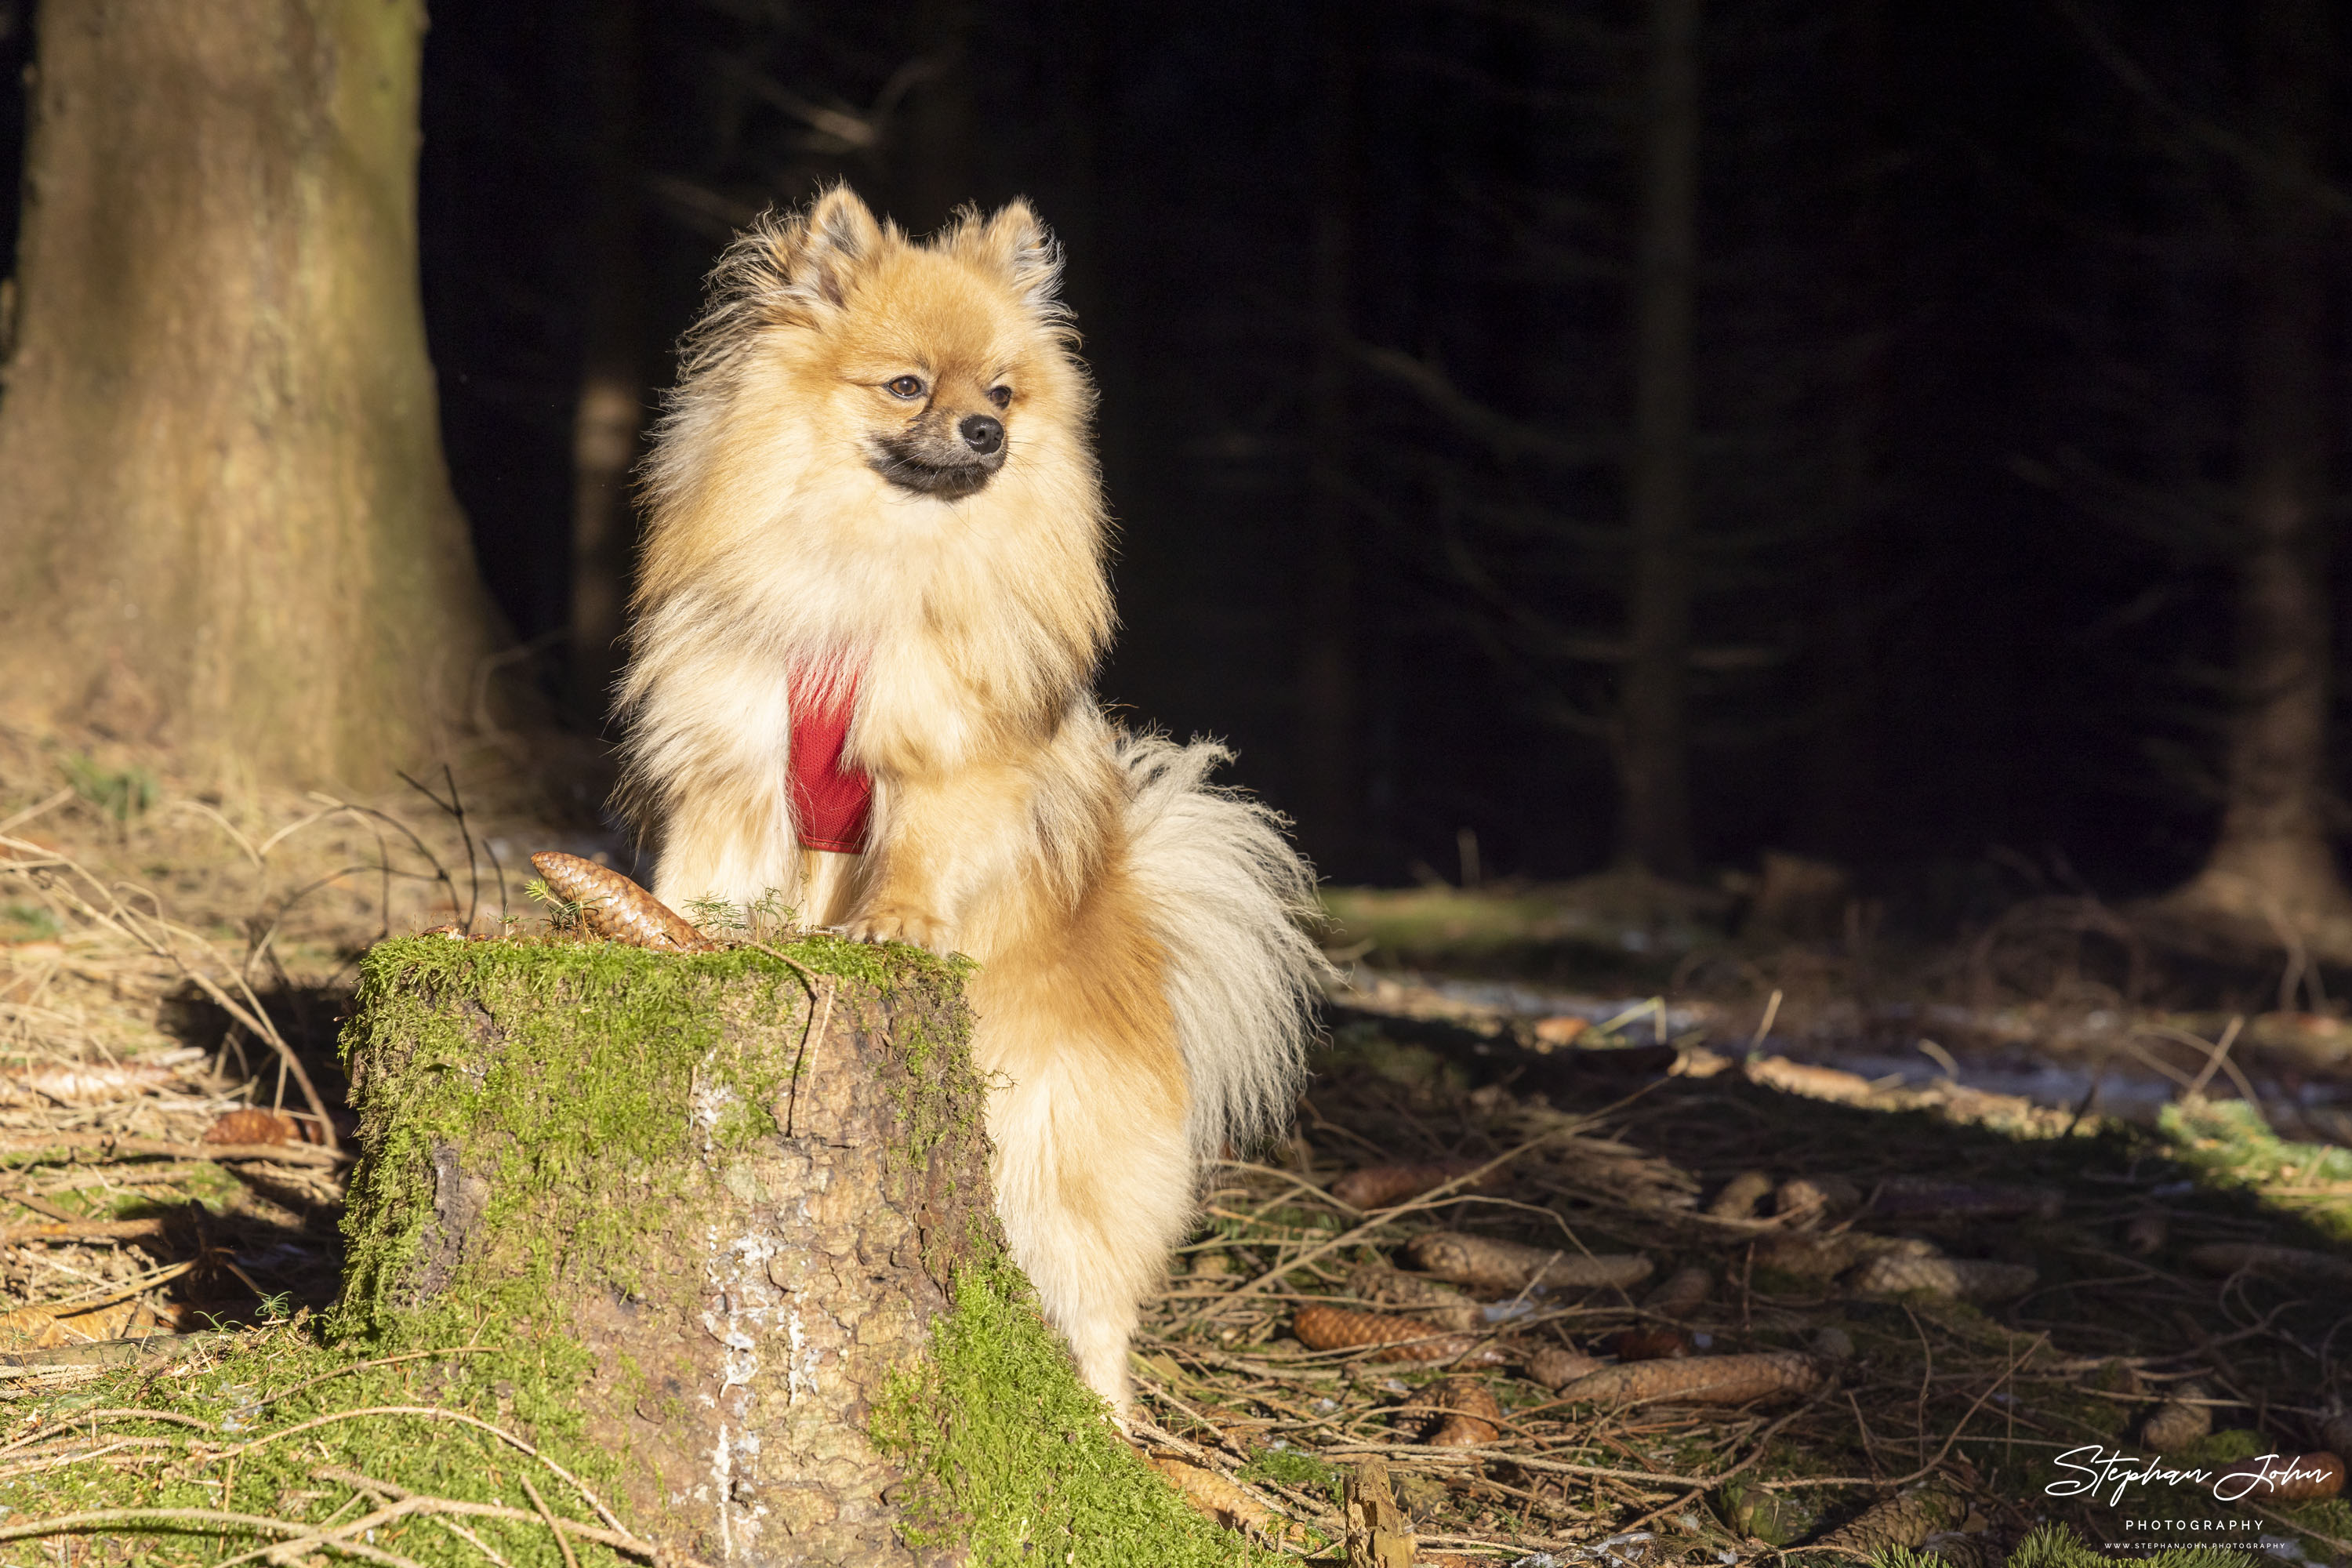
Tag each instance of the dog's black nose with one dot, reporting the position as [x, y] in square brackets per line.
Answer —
[981, 433]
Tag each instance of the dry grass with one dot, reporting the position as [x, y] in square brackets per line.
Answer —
[169, 955]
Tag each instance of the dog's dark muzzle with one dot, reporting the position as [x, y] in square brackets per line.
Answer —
[948, 469]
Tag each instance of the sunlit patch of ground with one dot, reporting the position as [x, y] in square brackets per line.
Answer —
[171, 955]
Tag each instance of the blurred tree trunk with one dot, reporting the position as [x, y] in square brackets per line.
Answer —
[1328, 782]
[224, 522]
[1653, 720]
[611, 413]
[2274, 860]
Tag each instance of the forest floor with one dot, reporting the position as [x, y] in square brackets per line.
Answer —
[1625, 1225]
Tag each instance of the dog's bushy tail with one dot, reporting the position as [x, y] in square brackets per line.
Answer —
[1234, 904]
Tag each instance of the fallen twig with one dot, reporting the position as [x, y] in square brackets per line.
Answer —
[554, 1527]
[282, 1153]
[365, 1365]
[425, 1503]
[209, 1521]
[429, 1412]
[118, 917]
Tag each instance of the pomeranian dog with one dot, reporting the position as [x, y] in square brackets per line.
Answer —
[872, 600]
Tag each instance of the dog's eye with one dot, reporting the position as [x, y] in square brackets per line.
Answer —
[1000, 396]
[906, 387]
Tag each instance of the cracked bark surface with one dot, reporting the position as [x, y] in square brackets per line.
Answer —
[745, 1305]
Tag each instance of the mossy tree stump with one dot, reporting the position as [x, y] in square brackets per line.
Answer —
[739, 1208]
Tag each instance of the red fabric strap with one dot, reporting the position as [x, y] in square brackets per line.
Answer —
[831, 803]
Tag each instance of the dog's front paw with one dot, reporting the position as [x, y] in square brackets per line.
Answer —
[904, 923]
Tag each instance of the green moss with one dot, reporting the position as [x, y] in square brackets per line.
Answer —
[2229, 1144]
[941, 1093]
[1775, 1518]
[1297, 1468]
[122, 793]
[607, 1054]
[1012, 1455]
[1615, 928]
[1009, 1450]
[252, 1388]
[26, 922]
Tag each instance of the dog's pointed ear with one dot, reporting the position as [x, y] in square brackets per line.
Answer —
[838, 236]
[1015, 242]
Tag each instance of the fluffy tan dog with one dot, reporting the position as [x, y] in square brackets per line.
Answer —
[872, 602]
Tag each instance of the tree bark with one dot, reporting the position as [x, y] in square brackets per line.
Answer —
[610, 418]
[748, 1263]
[225, 521]
[1652, 722]
[1330, 785]
[2273, 862]
[743, 1206]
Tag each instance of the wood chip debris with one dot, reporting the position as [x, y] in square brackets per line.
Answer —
[38, 1328]
[1814, 1082]
[152, 1229]
[38, 1144]
[1379, 1533]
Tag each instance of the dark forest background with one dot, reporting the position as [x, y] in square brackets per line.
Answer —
[1354, 280]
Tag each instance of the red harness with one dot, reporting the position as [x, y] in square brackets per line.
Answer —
[831, 802]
